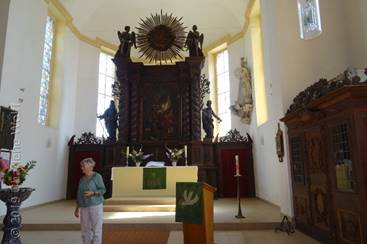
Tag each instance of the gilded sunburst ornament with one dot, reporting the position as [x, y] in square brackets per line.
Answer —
[161, 37]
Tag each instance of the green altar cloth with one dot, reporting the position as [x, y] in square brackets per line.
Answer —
[154, 178]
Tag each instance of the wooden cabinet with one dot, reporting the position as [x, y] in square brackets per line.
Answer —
[327, 148]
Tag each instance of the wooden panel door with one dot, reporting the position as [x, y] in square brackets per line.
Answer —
[299, 180]
[346, 175]
[319, 185]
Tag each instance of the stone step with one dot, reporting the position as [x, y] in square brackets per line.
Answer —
[140, 208]
[140, 201]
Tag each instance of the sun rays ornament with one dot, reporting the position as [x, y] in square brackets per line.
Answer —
[161, 37]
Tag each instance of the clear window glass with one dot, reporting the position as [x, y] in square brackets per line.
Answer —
[297, 160]
[343, 163]
[46, 71]
[223, 92]
[106, 79]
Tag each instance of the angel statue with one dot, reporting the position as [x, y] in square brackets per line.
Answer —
[244, 105]
[194, 42]
[127, 40]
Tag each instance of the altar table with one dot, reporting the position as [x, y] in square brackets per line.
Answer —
[128, 181]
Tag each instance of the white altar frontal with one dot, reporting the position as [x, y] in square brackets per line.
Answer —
[128, 181]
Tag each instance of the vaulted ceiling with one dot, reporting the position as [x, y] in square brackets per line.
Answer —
[102, 18]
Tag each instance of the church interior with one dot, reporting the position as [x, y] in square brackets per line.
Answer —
[253, 110]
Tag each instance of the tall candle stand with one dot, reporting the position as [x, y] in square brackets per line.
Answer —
[239, 213]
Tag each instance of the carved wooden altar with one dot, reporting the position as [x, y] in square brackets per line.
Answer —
[159, 103]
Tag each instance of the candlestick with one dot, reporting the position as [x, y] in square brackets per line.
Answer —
[239, 212]
[185, 148]
[127, 155]
[237, 165]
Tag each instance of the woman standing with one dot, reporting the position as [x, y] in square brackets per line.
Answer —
[90, 203]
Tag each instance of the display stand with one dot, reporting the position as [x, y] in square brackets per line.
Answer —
[13, 198]
[285, 226]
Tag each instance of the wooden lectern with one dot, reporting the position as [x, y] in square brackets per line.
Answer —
[202, 233]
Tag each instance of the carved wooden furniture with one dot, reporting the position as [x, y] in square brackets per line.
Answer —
[8, 118]
[225, 151]
[88, 146]
[159, 103]
[327, 131]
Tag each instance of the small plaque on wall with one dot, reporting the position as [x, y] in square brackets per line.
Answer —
[309, 19]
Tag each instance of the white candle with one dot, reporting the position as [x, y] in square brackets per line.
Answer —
[237, 165]
[127, 152]
[185, 151]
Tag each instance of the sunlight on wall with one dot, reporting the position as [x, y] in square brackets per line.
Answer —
[259, 79]
[57, 75]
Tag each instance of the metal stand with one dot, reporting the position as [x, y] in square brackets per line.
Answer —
[285, 226]
[239, 213]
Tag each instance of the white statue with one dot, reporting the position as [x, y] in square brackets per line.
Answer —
[243, 106]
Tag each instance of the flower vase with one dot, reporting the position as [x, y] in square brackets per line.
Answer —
[137, 164]
[14, 188]
[13, 198]
[174, 163]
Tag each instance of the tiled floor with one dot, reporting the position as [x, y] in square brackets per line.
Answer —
[40, 223]
[61, 212]
[176, 237]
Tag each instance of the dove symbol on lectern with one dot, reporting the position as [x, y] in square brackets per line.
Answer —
[189, 199]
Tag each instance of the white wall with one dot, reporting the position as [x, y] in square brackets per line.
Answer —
[356, 19]
[4, 11]
[291, 64]
[86, 110]
[22, 69]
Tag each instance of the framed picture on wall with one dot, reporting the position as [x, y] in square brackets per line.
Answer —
[309, 19]
[161, 112]
[5, 154]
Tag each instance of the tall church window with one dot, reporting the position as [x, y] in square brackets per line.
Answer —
[223, 92]
[105, 80]
[46, 77]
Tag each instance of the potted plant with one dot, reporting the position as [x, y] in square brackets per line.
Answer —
[15, 176]
[174, 155]
[138, 156]
[13, 197]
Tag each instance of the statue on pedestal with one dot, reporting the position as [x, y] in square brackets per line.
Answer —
[244, 104]
[207, 117]
[110, 118]
[194, 42]
[127, 40]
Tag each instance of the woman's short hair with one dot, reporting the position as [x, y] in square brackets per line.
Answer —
[89, 161]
